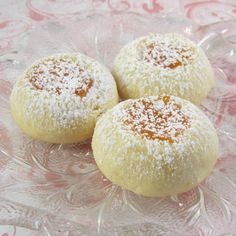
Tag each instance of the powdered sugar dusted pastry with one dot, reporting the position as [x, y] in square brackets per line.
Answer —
[155, 146]
[163, 64]
[59, 97]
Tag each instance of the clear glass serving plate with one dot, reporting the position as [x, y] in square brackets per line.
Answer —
[58, 189]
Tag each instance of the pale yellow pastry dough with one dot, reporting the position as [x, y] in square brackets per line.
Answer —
[155, 146]
[160, 64]
[59, 97]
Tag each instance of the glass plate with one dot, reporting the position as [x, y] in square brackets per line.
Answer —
[58, 190]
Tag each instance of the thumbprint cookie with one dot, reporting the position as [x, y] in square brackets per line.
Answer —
[160, 64]
[59, 98]
[155, 146]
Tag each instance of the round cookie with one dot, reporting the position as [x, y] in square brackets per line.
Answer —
[163, 64]
[59, 98]
[155, 146]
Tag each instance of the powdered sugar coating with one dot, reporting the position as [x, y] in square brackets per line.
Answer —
[160, 64]
[162, 120]
[197, 125]
[60, 75]
[155, 167]
[63, 93]
[166, 53]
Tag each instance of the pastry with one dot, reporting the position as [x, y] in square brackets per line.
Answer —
[59, 98]
[160, 64]
[155, 146]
